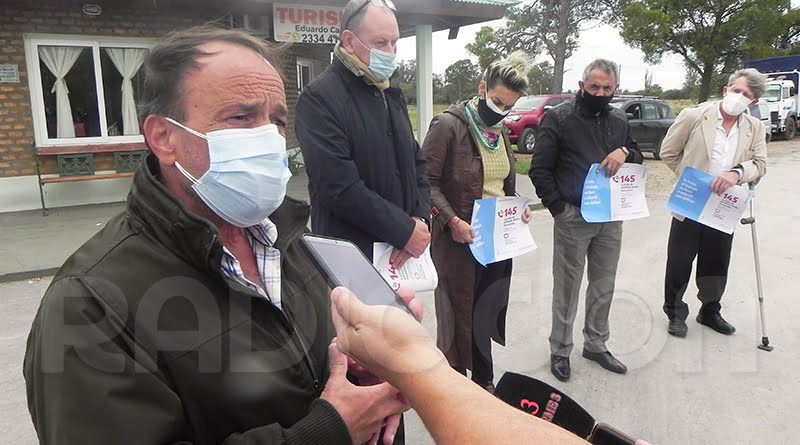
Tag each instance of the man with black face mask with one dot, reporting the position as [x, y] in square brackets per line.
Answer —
[573, 136]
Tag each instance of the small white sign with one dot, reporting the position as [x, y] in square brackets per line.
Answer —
[9, 73]
[306, 23]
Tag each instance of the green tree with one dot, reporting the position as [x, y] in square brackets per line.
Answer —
[461, 81]
[691, 84]
[486, 47]
[673, 95]
[540, 78]
[651, 89]
[713, 37]
[551, 25]
[405, 78]
[788, 42]
[438, 89]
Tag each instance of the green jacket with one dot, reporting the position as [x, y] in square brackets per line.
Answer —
[140, 339]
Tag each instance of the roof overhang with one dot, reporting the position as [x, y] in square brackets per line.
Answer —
[439, 14]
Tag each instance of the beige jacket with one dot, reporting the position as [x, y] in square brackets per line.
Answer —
[690, 143]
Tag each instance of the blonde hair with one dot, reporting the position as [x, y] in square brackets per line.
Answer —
[512, 72]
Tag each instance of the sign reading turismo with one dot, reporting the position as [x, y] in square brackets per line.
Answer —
[306, 23]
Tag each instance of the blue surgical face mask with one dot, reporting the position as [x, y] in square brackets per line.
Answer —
[381, 63]
[247, 175]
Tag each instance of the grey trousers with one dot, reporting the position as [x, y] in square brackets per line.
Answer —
[575, 240]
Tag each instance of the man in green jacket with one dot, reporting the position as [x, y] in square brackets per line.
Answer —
[193, 316]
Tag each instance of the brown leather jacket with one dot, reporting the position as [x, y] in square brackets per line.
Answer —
[455, 173]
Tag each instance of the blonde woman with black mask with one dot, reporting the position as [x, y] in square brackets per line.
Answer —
[469, 157]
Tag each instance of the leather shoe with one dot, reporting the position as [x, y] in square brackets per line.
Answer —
[559, 366]
[717, 323]
[677, 327]
[606, 360]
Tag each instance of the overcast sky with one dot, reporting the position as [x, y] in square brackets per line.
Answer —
[602, 41]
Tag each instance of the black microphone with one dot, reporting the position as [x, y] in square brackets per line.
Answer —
[542, 400]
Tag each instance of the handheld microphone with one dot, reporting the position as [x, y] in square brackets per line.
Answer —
[542, 400]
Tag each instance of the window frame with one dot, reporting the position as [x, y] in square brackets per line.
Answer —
[649, 111]
[32, 43]
[299, 64]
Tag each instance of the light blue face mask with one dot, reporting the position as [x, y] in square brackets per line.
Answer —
[247, 176]
[381, 63]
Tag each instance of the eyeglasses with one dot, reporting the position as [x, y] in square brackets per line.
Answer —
[376, 3]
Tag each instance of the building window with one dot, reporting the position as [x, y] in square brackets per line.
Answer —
[305, 72]
[84, 90]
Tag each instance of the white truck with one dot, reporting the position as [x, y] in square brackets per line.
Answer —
[782, 94]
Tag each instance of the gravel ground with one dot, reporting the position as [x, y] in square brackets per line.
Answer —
[661, 180]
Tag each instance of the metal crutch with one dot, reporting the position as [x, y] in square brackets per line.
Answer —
[751, 220]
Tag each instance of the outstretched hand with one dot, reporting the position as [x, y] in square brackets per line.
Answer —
[383, 339]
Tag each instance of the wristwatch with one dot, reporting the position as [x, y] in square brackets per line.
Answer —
[426, 221]
[625, 150]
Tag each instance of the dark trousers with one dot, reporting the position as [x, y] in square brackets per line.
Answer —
[487, 284]
[689, 239]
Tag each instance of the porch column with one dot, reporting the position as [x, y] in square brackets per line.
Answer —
[424, 35]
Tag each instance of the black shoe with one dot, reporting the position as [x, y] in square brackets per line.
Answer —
[606, 360]
[559, 366]
[717, 323]
[677, 327]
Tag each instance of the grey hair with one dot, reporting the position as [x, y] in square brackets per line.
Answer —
[605, 65]
[511, 72]
[756, 81]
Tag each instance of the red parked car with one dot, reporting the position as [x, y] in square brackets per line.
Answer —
[524, 118]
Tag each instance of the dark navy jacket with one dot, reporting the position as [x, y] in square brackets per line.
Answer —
[366, 171]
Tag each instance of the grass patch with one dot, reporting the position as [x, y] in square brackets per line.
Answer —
[412, 113]
[679, 104]
[523, 166]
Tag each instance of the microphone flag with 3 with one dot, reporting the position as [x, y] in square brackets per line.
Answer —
[550, 404]
[542, 400]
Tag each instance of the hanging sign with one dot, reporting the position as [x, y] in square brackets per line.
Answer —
[306, 23]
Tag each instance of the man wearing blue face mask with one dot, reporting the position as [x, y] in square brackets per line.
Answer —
[194, 316]
[366, 171]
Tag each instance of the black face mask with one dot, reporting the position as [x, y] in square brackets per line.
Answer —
[488, 116]
[595, 104]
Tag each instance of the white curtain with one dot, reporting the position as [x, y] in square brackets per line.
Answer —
[59, 60]
[128, 61]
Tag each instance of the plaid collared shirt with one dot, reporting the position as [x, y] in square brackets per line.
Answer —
[262, 237]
